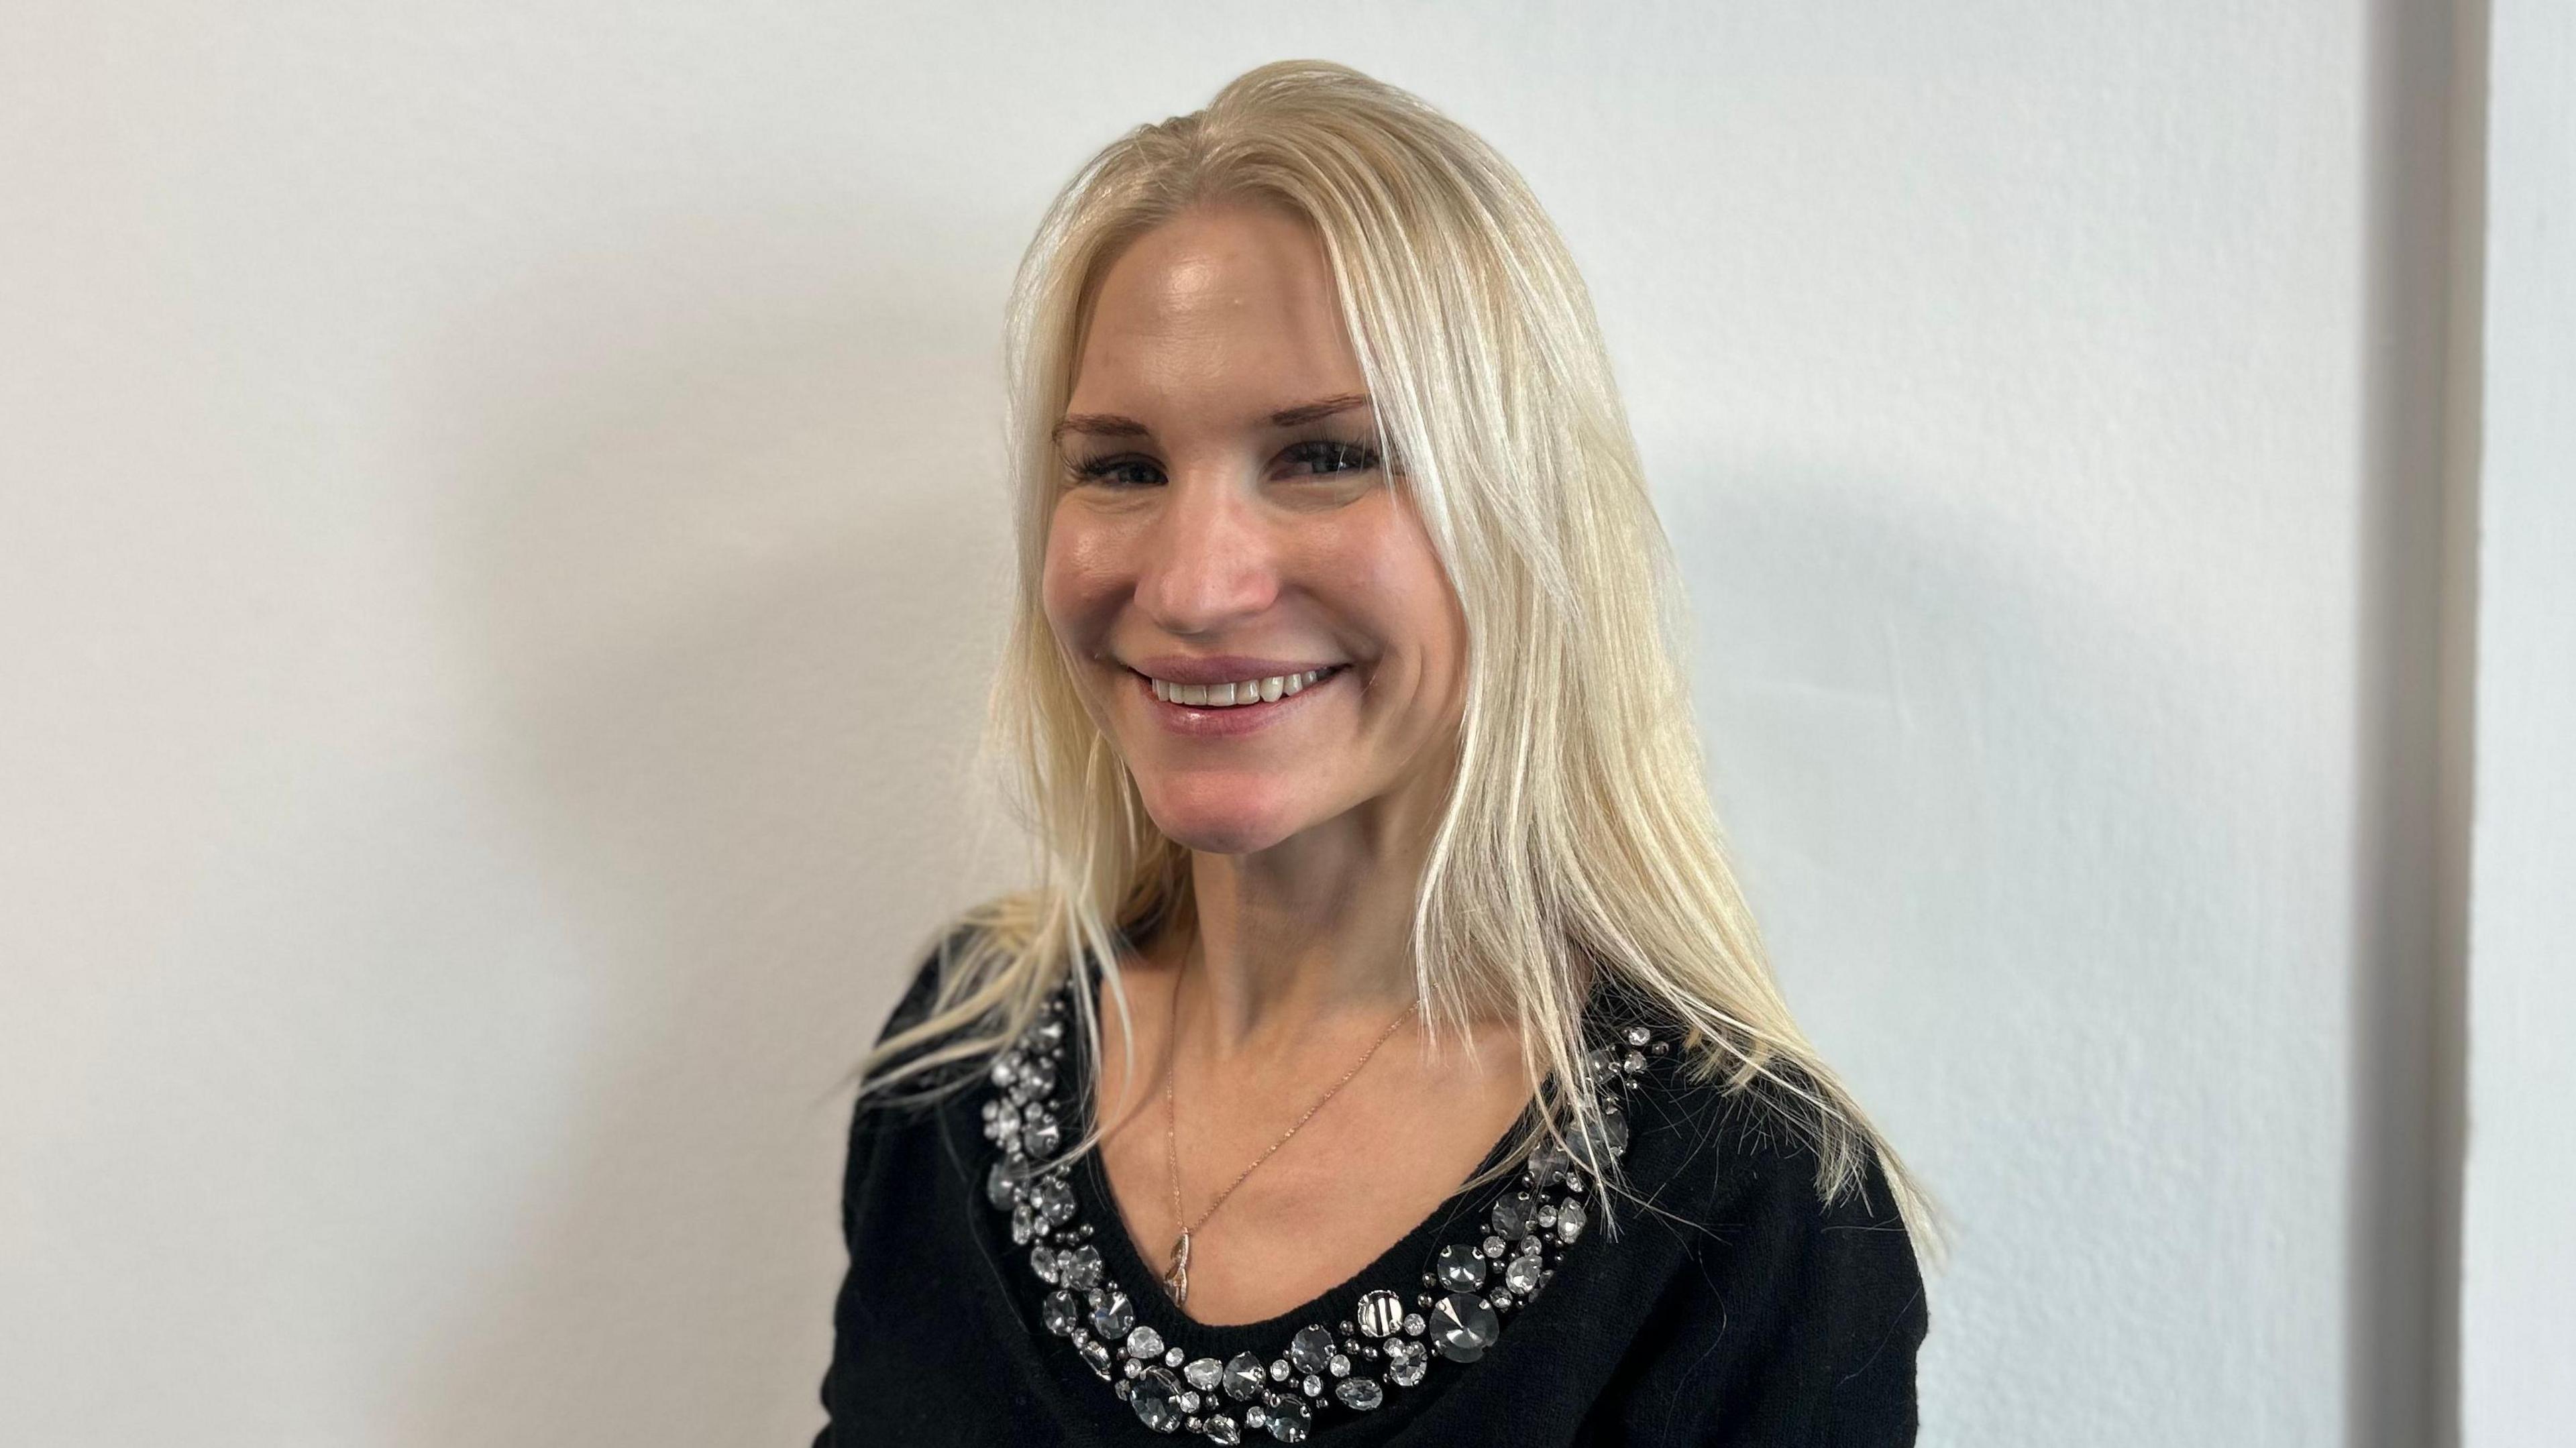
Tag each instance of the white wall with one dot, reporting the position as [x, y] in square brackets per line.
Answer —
[2518, 1248]
[503, 547]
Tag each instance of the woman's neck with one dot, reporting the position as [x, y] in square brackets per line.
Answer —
[1290, 945]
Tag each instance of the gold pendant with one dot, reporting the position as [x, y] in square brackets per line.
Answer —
[1177, 1280]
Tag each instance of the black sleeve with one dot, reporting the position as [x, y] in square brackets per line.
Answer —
[849, 1310]
[1837, 1322]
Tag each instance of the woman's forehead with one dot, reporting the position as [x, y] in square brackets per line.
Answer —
[1229, 307]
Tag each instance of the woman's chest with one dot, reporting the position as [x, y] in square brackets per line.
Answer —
[1344, 1188]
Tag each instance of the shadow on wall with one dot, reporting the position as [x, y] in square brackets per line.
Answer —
[2035, 850]
[725, 545]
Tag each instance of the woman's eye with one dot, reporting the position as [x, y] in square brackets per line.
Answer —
[1119, 472]
[1326, 458]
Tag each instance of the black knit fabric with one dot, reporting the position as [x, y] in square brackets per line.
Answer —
[1741, 1312]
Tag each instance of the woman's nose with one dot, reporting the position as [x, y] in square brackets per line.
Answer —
[1209, 559]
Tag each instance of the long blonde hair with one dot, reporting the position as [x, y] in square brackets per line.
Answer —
[1578, 838]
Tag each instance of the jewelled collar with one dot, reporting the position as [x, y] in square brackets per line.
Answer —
[1386, 1345]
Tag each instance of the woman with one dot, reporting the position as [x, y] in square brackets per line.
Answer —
[1386, 1055]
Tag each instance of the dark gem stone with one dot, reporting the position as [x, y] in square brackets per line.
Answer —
[1463, 1327]
[1311, 1349]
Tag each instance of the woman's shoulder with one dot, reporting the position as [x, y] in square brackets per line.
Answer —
[1753, 1165]
[1801, 1279]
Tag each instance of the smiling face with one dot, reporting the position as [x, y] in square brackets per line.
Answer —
[1223, 518]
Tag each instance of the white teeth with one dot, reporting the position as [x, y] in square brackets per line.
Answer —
[1227, 696]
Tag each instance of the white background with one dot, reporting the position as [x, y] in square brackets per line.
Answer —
[504, 546]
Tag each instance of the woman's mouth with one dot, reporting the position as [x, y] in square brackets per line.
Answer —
[1224, 710]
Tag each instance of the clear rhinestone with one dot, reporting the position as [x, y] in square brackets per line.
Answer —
[1548, 1162]
[1547, 1215]
[1037, 1074]
[1189, 1401]
[1569, 1222]
[1639, 1035]
[1339, 1367]
[999, 1189]
[1242, 1377]
[1221, 1429]
[1311, 1348]
[1314, 1385]
[1053, 1199]
[1632, 1063]
[1112, 1319]
[1006, 1069]
[1154, 1400]
[1380, 1313]
[1493, 1247]
[1598, 1061]
[1406, 1361]
[1024, 1225]
[1096, 1353]
[1413, 1324]
[1460, 1269]
[1080, 1267]
[1289, 1421]
[1464, 1327]
[1144, 1342]
[1522, 1275]
[1360, 1393]
[1172, 1357]
[1060, 1311]
[1204, 1374]
[1278, 1370]
[1043, 1135]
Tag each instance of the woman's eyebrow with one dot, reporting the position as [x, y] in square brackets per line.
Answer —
[1307, 412]
[1110, 424]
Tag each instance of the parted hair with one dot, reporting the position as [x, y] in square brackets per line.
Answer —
[1577, 840]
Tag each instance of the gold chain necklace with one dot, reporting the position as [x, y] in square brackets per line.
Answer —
[1176, 1278]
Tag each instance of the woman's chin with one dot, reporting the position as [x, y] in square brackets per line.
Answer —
[1224, 830]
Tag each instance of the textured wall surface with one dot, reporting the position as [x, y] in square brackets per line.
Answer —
[2518, 1247]
[503, 549]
